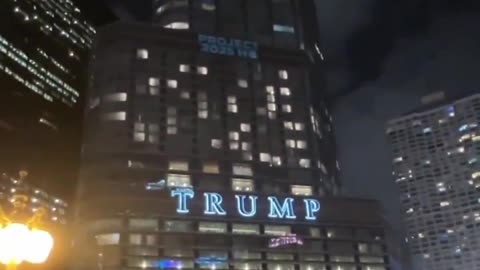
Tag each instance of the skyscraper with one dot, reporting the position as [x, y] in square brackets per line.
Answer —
[435, 164]
[44, 48]
[207, 145]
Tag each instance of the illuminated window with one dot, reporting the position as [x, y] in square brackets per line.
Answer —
[234, 145]
[232, 108]
[245, 228]
[202, 70]
[184, 68]
[299, 126]
[285, 91]
[301, 144]
[118, 97]
[135, 239]
[172, 83]
[178, 180]
[272, 107]
[242, 185]
[139, 136]
[288, 125]
[211, 167]
[212, 227]
[280, 256]
[304, 163]
[301, 190]
[149, 224]
[242, 169]
[265, 157]
[208, 5]
[286, 108]
[277, 161]
[202, 105]
[154, 86]
[177, 25]
[278, 230]
[115, 116]
[233, 135]
[108, 239]
[178, 165]
[232, 104]
[270, 89]
[245, 127]
[290, 143]
[283, 74]
[171, 120]
[271, 98]
[242, 83]
[142, 54]
[153, 81]
[185, 95]
[246, 146]
[247, 156]
[177, 226]
[216, 143]
[283, 28]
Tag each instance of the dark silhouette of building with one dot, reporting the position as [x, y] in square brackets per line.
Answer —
[44, 49]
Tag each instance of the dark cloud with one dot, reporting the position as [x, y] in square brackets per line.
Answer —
[443, 56]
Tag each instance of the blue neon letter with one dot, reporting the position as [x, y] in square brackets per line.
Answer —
[213, 203]
[312, 206]
[241, 205]
[281, 211]
[182, 194]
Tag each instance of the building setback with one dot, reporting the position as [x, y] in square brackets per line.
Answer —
[44, 49]
[435, 164]
[207, 145]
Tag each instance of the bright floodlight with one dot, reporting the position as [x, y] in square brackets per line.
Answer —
[18, 243]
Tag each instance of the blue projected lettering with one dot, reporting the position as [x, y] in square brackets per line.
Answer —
[312, 206]
[228, 46]
[281, 211]
[182, 194]
[241, 205]
[213, 203]
[247, 205]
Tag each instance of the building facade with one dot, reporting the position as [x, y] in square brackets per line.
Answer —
[435, 154]
[56, 208]
[44, 52]
[207, 145]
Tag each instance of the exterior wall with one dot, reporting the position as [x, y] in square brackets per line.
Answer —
[282, 139]
[435, 164]
[271, 23]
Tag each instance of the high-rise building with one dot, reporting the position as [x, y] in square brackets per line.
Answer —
[436, 166]
[44, 52]
[207, 145]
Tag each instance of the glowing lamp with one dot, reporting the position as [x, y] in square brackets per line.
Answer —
[18, 243]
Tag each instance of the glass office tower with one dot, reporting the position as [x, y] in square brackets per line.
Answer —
[44, 52]
[435, 164]
[207, 145]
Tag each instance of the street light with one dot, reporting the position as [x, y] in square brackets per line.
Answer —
[20, 241]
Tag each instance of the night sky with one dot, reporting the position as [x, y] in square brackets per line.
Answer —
[381, 57]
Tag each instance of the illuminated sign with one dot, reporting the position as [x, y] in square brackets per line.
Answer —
[228, 46]
[210, 260]
[163, 264]
[246, 205]
[285, 240]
